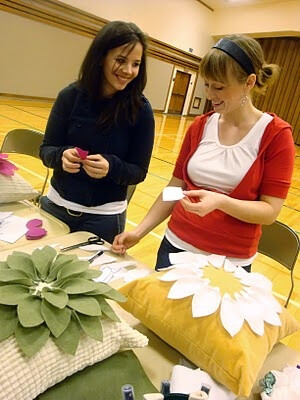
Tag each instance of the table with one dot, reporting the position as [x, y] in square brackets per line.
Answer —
[28, 210]
[158, 358]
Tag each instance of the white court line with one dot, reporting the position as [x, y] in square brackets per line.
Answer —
[150, 233]
[284, 298]
[29, 171]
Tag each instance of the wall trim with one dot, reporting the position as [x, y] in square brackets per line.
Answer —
[26, 97]
[64, 16]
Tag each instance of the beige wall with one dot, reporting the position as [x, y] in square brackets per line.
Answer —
[158, 81]
[263, 18]
[37, 59]
[182, 23]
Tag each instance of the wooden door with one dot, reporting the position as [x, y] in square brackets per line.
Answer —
[180, 88]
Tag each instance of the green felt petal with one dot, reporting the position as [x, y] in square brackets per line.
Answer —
[59, 262]
[90, 274]
[7, 329]
[31, 340]
[3, 265]
[14, 276]
[72, 268]
[91, 326]
[78, 285]
[115, 295]
[12, 294]
[107, 309]
[56, 297]
[29, 312]
[101, 288]
[57, 320]
[7, 312]
[22, 263]
[85, 305]
[42, 259]
[69, 339]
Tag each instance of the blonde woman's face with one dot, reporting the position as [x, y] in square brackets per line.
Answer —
[121, 65]
[225, 98]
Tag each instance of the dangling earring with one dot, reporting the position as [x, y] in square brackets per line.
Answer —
[243, 100]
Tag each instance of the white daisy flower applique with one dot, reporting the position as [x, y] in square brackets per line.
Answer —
[247, 299]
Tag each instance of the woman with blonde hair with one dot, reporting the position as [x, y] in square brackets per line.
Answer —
[234, 166]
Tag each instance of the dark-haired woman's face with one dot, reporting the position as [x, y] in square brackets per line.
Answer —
[121, 65]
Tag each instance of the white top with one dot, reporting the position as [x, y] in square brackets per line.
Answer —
[220, 167]
[116, 207]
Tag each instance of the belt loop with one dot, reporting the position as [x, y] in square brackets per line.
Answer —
[73, 213]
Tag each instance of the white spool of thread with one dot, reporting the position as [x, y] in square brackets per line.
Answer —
[153, 396]
[198, 395]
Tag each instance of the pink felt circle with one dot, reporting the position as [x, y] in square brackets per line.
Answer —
[34, 223]
[35, 233]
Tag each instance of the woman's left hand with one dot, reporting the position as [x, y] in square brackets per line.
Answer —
[208, 201]
[96, 166]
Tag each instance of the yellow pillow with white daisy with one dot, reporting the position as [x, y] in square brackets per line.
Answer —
[220, 317]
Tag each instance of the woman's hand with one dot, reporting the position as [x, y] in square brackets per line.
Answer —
[124, 241]
[207, 201]
[71, 161]
[96, 166]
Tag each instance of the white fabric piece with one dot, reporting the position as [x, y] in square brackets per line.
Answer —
[118, 270]
[188, 257]
[100, 260]
[171, 193]
[206, 301]
[23, 378]
[216, 260]
[135, 274]
[186, 286]
[187, 380]
[231, 316]
[94, 247]
[181, 244]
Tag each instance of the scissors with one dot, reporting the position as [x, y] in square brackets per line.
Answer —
[91, 240]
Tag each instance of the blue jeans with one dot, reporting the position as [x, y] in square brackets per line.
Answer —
[105, 226]
[163, 260]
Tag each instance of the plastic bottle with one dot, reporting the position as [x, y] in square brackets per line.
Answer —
[127, 392]
[165, 387]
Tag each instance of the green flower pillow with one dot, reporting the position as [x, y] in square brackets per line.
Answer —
[54, 321]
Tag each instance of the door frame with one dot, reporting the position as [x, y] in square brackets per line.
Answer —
[190, 90]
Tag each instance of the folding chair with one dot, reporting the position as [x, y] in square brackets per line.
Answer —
[25, 141]
[130, 191]
[282, 244]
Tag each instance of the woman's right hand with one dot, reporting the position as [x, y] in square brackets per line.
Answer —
[71, 161]
[124, 241]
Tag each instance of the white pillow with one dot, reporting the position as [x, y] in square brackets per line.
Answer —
[15, 188]
[23, 378]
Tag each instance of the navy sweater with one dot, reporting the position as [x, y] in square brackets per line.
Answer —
[72, 123]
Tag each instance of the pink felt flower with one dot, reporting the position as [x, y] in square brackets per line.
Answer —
[82, 153]
[6, 167]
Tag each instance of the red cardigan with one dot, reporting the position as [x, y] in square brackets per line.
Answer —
[270, 174]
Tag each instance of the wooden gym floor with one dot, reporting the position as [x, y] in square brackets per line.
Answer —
[169, 133]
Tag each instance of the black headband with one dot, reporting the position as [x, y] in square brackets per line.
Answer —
[234, 51]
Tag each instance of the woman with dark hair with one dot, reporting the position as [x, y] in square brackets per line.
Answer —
[234, 166]
[99, 136]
